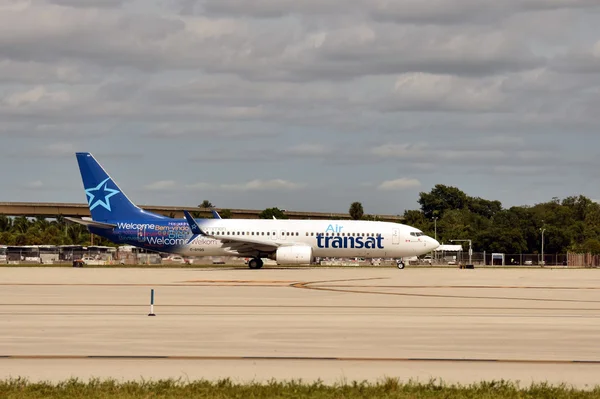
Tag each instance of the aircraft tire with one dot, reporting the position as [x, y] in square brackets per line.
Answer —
[400, 265]
[255, 263]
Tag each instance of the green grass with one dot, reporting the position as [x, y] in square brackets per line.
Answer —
[388, 388]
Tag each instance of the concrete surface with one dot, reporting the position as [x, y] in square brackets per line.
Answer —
[302, 323]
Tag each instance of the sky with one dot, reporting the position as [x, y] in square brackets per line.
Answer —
[304, 105]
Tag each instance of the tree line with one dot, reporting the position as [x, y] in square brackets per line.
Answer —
[570, 225]
[42, 231]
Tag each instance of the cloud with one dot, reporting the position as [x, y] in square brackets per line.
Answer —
[400, 11]
[428, 92]
[150, 42]
[332, 92]
[398, 184]
[199, 186]
[252, 185]
[88, 3]
[579, 61]
[38, 94]
[307, 150]
[34, 185]
[267, 185]
[161, 185]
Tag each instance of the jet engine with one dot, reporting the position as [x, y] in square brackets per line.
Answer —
[294, 255]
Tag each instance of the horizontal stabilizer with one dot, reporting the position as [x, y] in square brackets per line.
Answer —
[91, 223]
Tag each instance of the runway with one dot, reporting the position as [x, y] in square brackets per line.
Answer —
[335, 325]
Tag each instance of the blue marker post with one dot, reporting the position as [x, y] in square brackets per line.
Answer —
[151, 303]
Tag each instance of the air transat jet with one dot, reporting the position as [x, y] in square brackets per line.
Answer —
[116, 218]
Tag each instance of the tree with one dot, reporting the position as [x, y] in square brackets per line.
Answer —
[270, 212]
[226, 214]
[356, 211]
[441, 199]
[416, 219]
[5, 223]
[206, 204]
[484, 207]
[590, 246]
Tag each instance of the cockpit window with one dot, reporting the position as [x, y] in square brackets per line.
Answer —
[417, 234]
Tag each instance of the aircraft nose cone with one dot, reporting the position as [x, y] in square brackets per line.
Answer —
[434, 243]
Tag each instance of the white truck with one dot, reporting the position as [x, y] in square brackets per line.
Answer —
[89, 261]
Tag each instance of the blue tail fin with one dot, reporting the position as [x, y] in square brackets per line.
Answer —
[105, 199]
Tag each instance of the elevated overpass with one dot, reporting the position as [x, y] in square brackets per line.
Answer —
[53, 209]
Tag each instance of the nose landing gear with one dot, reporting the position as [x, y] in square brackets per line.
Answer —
[400, 264]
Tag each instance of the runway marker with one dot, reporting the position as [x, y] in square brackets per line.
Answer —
[151, 303]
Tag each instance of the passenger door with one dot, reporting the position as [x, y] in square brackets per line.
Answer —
[395, 236]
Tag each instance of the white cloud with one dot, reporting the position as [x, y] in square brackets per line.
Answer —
[161, 185]
[59, 149]
[399, 184]
[37, 184]
[252, 185]
[331, 92]
[308, 150]
[199, 186]
[428, 92]
[35, 95]
[258, 184]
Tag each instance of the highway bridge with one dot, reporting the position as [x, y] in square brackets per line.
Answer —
[53, 209]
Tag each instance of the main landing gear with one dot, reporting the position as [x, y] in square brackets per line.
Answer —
[400, 264]
[255, 263]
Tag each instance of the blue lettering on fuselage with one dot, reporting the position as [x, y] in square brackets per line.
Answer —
[350, 242]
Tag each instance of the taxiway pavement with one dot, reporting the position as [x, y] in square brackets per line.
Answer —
[336, 325]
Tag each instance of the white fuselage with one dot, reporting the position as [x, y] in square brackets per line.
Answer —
[328, 238]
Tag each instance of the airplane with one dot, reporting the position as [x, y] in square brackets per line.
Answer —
[117, 218]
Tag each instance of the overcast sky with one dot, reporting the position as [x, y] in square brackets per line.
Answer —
[304, 105]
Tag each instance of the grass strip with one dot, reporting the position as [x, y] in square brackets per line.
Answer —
[19, 388]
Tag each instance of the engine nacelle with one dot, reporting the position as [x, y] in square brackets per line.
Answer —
[294, 255]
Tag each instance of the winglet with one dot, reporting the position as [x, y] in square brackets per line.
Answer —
[193, 225]
[216, 214]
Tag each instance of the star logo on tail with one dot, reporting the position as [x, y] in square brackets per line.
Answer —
[101, 191]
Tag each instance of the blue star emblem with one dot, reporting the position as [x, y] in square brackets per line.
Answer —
[108, 192]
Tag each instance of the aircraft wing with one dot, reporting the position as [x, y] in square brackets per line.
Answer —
[91, 223]
[239, 244]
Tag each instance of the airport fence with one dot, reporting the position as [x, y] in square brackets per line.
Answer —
[498, 259]
[47, 254]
